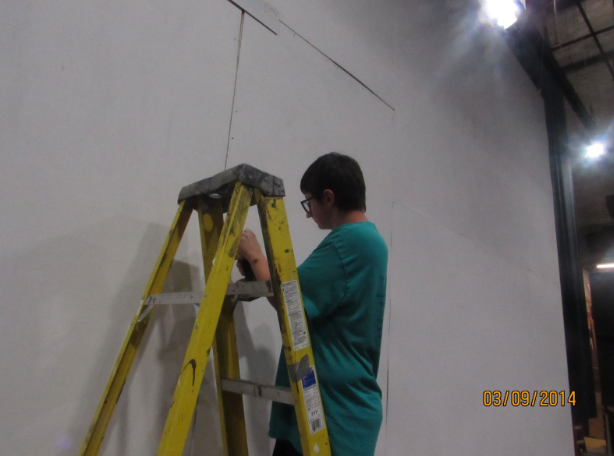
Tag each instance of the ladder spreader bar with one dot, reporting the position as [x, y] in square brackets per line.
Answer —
[241, 289]
[272, 393]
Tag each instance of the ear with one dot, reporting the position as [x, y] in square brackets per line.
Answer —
[328, 196]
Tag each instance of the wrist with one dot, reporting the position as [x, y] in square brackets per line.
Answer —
[255, 258]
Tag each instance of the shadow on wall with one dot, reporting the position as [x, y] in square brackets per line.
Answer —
[62, 324]
[67, 304]
[261, 367]
[150, 386]
[175, 328]
[157, 366]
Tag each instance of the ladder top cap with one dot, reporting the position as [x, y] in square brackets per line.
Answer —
[222, 184]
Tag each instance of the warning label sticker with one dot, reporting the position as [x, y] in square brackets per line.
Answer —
[296, 315]
[313, 404]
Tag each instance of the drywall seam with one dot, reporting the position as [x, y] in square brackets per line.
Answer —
[336, 64]
[261, 12]
[483, 247]
[234, 91]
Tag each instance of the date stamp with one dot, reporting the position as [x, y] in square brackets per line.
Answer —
[529, 398]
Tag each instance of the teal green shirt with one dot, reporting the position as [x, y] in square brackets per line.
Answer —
[343, 283]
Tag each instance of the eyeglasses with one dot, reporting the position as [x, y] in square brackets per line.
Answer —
[306, 205]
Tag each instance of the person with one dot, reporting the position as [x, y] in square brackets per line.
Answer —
[343, 283]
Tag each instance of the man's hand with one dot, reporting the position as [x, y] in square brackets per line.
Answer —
[249, 248]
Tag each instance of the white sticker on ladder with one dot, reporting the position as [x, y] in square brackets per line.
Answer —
[296, 315]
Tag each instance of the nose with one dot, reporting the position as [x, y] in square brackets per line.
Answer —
[308, 215]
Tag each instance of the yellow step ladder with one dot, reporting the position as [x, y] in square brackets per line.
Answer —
[232, 192]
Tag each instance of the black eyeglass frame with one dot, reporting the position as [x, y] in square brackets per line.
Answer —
[306, 205]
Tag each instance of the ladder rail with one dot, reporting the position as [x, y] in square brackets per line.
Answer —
[225, 350]
[297, 350]
[190, 378]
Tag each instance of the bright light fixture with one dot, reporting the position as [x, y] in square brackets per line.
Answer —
[595, 150]
[504, 12]
[605, 266]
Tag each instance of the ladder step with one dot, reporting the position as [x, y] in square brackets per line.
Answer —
[242, 289]
[185, 297]
[272, 393]
[255, 289]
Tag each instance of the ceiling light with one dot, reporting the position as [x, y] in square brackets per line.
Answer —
[504, 12]
[605, 266]
[595, 150]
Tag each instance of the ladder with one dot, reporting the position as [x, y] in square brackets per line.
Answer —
[232, 192]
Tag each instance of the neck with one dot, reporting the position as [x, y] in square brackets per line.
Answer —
[341, 218]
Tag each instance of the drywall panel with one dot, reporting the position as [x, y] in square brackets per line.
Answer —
[292, 105]
[358, 35]
[465, 321]
[471, 132]
[108, 109]
[475, 288]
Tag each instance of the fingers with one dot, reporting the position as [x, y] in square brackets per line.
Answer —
[240, 268]
[240, 258]
[248, 237]
[248, 245]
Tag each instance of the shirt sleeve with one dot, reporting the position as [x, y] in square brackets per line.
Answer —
[323, 281]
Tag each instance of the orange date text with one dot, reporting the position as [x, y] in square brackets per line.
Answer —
[527, 398]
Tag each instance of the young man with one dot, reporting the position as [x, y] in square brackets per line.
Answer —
[343, 283]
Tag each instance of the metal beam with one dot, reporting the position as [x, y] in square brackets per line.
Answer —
[581, 38]
[590, 28]
[535, 56]
[575, 320]
[588, 62]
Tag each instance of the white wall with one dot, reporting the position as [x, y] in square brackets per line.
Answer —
[109, 109]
